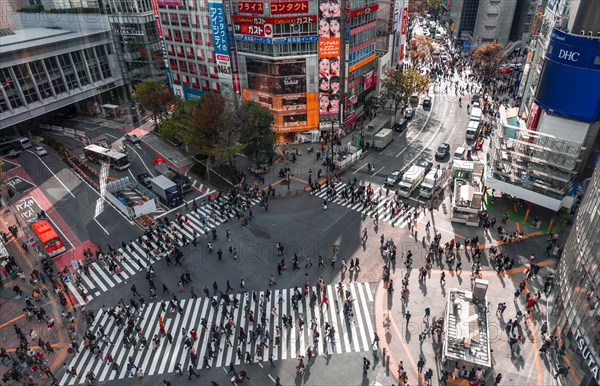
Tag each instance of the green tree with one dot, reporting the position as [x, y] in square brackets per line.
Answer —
[434, 7]
[256, 135]
[487, 59]
[153, 96]
[400, 84]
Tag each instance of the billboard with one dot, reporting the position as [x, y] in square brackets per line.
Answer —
[330, 24]
[218, 25]
[369, 79]
[570, 70]
[253, 7]
[282, 8]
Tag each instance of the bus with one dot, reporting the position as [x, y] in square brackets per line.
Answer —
[98, 154]
[51, 241]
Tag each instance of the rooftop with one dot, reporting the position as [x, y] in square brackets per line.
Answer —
[467, 335]
[38, 36]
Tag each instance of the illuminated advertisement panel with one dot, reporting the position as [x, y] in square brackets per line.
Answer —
[252, 7]
[330, 14]
[282, 8]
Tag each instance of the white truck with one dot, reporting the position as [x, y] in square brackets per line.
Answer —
[382, 139]
[433, 183]
[411, 179]
[472, 130]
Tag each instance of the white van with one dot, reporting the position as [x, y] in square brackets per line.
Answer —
[476, 114]
[460, 153]
[472, 130]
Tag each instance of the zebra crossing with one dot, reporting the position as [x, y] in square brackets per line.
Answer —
[99, 279]
[382, 206]
[352, 335]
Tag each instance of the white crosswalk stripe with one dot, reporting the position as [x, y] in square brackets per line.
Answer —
[99, 279]
[382, 207]
[353, 334]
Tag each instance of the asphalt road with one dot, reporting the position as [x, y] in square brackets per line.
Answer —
[445, 122]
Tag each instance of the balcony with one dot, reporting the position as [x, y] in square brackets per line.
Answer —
[195, 85]
[167, 37]
[190, 55]
[180, 54]
[176, 81]
[177, 38]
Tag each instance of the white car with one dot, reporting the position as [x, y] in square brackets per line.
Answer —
[40, 151]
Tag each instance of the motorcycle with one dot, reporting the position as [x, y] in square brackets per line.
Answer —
[239, 377]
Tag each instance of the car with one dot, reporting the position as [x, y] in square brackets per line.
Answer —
[40, 151]
[427, 165]
[442, 151]
[409, 114]
[401, 124]
[426, 101]
[132, 138]
[393, 178]
[145, 179]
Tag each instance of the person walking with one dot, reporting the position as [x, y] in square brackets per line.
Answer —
[192, 372]
[366, 365]
[420, 364]
[407, 316]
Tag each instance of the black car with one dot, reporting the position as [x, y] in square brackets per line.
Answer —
[442, 151]
[144, 179]
[409, 114]
[401, 124]
[427, 165]
[426, 101]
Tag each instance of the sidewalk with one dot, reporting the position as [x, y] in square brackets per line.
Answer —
[400, 340]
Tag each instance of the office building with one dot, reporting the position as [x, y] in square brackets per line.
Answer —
[477, 22]
[198, 42]
[47, 63]
[540, 153]
[135, 34]
[576, 315]
[392, 18]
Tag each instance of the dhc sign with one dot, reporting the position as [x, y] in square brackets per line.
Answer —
[570, 78]
[568, 55]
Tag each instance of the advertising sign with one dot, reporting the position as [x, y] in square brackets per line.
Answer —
[273, 20]
[364, 11]
[404, 19]
[282, 8]
[218, 27]
[570, 68]
[252, 7]
[219, 31]
[254, 30]
[330, 14]
[171, 3]
[267, 40]
[369, 79]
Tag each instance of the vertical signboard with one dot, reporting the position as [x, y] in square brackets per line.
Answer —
[330, 15]
[403, 31]
[218, 25]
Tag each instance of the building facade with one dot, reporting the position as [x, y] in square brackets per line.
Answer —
[135, 34]
[50, 63]
[577, 311]
[197, 46]
[541, 153]
[312, 63]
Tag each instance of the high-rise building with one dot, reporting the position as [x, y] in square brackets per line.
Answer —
[576, 315]
[198, 44]
[392, 18]
[135, 34]
[476, 22]
[540, 153]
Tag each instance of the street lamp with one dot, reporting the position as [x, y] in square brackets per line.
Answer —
[435, 177]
